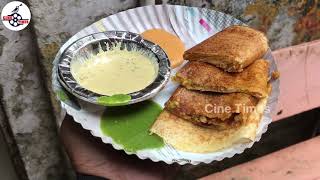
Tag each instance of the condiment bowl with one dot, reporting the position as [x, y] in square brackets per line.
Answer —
[104, 41]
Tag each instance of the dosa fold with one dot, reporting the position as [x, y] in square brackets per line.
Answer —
[232, 49]
[201, 76]
[214, 110]
[185, 136]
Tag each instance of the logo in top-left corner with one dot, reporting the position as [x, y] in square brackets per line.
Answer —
[15, 15]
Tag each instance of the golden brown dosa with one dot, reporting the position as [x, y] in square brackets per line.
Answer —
[202, 76]
[185, 136]
[232, 49]
[215, 110]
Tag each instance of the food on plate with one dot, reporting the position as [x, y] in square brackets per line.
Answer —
[186, 136]
[202, 76]
[216, 110]
[116, 71]
[232, 49]
[222, 95]
[129, 126]
[275, 75]
[170, 43]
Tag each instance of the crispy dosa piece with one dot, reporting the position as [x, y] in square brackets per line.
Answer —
[232, 49]
[215, 110]
[185, 136]
[202, 76]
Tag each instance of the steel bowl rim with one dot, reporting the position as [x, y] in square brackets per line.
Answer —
[164, 70]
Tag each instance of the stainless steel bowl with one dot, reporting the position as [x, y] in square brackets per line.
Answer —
[91, 44]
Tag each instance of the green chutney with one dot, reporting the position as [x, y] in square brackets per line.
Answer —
[129, 125]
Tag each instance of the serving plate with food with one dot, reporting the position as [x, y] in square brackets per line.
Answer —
[169, 83]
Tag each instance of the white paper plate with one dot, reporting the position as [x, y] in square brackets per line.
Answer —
[192, 25]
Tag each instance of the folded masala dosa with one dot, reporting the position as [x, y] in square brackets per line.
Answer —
[231, 49]
[202, 76]
[215, 110]
[186, 136]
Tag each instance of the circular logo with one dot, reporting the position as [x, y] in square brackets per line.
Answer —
[15, 15]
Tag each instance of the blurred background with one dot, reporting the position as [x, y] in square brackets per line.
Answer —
[29, 113]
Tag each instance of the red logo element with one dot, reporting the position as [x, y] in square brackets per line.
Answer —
[7, 18]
